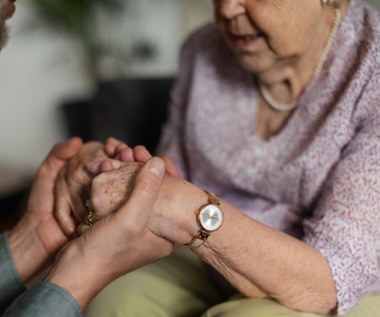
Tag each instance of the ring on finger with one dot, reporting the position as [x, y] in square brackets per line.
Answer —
[89, 219]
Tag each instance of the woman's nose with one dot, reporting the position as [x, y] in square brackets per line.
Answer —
[229, 9]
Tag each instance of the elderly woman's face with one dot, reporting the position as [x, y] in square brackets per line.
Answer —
[262, 32]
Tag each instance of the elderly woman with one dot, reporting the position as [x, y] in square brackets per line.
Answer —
[277, 112]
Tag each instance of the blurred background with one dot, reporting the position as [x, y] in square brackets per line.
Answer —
[69, 67]
[59, 55]
[87, 67]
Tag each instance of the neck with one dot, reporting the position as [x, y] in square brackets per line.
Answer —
[286, 79]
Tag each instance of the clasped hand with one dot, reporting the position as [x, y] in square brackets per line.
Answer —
[56, 207]
[112, 184]
[99, 180]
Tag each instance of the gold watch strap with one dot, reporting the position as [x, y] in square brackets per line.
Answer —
[212, 199]
[202, 236]
[198, 240]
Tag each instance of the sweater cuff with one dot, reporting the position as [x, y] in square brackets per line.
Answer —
[11, 284]
[44, 300]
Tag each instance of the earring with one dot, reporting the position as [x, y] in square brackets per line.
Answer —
[325, 2]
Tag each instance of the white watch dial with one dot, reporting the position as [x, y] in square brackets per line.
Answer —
[211, 217]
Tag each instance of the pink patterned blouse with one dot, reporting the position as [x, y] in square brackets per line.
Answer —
[319, 178]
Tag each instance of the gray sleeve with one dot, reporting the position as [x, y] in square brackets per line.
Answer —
[11, 285]
[44, 300]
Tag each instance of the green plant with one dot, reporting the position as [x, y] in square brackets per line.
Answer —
[78, 19]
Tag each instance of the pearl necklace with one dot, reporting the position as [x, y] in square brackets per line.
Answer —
[290, 106]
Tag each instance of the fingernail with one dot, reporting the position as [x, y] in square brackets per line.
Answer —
[156, 166]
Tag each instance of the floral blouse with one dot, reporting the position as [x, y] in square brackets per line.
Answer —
[319, 178]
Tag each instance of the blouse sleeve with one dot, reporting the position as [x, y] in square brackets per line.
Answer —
[345, 225]
[172, 140]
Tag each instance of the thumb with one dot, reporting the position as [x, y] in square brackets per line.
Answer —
[145, 193]
[60, 154]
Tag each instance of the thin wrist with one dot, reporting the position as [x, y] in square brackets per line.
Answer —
[178, 223]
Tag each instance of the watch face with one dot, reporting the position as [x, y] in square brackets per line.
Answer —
[211, 217]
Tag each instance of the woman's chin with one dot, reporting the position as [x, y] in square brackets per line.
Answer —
[252, 64]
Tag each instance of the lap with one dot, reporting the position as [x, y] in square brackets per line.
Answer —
[179, 286]
[244, 307]
[175, 286]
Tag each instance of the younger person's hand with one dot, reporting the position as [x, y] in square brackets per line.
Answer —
[38, 235]
[116, 244]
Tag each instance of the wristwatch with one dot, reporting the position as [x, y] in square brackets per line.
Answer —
[209, 218]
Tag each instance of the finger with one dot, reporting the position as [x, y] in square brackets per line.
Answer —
[141, 154]
[108, 166]
[145, 193]
[111, 146]
[64, 217]
[59, 155]
[94, 168]
[67, 150]
[102, 166]
[171, 169]
[49, 171]
[126, 155]
[82, 228]
[120, 147]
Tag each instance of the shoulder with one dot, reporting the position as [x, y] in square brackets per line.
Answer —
[363, 25]
[359, 54]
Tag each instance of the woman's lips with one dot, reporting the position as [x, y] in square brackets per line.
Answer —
[244, 40]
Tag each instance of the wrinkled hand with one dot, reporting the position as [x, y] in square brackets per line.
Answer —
[173, 214]
[116, 177]
[118, 150]
[38, 236]
[115, 244]
[73, 187]
[110, 190]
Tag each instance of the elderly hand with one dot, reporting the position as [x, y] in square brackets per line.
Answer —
[173, 213]
[73, 187]
[110, 190]
[117, 149]
[115, 244]
[112, 187]
[38, 236]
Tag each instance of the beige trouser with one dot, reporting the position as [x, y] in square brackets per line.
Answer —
[179, 286]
